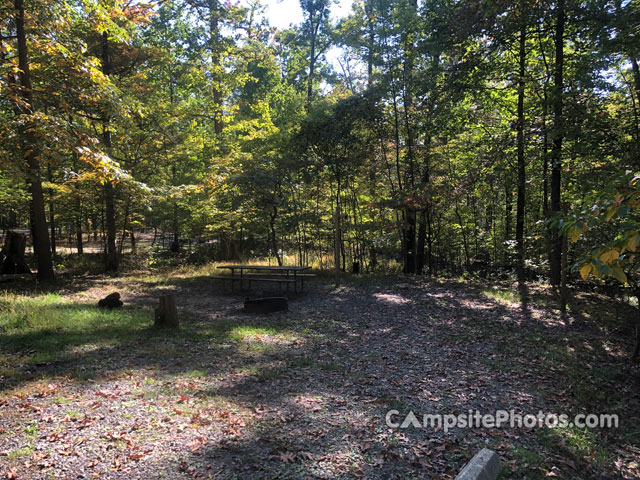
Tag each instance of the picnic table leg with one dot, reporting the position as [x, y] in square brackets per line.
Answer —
[287, 281]
[295, 281]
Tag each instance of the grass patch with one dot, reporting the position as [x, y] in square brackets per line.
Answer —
[48, 324]
[42, 329]
[528, 464]
[31, 430]
[252, 332]
[504, 297]
[20, 452]
[576, 443]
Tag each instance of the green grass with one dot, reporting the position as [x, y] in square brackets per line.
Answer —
[505, 297]
[528, 464]
[576, 443]
[48, 322]
[31, 430]
[41, 329]
[252, 332]
[20, 452]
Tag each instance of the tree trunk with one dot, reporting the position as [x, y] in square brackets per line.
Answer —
[78, 221]
[409, 232]
[274, 242]
[312, 63]
[430, 243]
[422, 236]
[636, 76]
[79, 245]
[31, 153]
[133, 241]
[545, 160]
[556, 151]
[52, 213]
[508, 208]
[564, 293]
[464, 238]
[371, 45]
[520, 205]
[407, 79]
[166, 314]
[111, 261]
[216, 62]
[175, 244]
[125, 226]
[636, 351]
[337, 233]
[12, 259]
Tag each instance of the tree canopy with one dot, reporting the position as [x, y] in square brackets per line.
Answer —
[442, 137]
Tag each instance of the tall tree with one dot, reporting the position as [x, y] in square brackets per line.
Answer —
[316, 30]
[557, 135]
[31, 151]
[111, 260]
[521, 197]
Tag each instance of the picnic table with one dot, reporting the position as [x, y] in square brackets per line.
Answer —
[265, 273]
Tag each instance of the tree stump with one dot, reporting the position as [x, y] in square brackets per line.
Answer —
[12, 259]
[167, 313]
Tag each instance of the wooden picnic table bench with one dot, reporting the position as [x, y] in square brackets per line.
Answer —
[265, 273]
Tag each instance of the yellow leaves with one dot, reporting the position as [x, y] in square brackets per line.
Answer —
[632, 243]
[585, 271]
[574, 233]
[105, 168]
[609, 268]
[610, 256]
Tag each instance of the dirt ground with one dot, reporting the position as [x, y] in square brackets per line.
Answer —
[303, 394]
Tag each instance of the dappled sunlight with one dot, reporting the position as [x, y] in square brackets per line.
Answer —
[504, 297]
[391, 299]
[267, 336]
[613, 350]
[303, 391]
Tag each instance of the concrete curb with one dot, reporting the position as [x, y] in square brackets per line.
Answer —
[485, 465]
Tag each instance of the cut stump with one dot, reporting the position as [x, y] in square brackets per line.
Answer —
[266, 305]
[167, 312]
[12, 259]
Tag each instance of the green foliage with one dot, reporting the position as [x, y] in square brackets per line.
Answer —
[215, 135]
[619, 205]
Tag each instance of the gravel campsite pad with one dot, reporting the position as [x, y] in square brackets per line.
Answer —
[303, 394]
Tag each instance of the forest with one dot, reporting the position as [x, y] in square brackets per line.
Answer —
[476, 159]
[444, 137]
